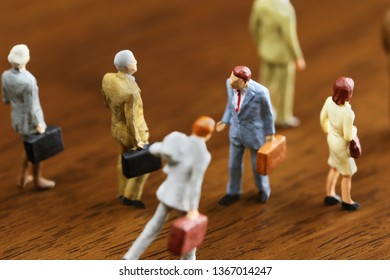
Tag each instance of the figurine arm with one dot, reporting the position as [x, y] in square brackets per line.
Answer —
[131, 115]
[30, 109]
[105, 83]
[349, 130]
[170, 149]
[324, 121]
[5, 94]
[291, 37]
[266, 114]
[227, 114]
[155, 149]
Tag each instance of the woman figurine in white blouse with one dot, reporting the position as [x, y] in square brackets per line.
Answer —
[337, 121]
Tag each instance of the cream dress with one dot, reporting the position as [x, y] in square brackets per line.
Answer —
[337, 121]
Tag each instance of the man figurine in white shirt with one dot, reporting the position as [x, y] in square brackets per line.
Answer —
[186, 160]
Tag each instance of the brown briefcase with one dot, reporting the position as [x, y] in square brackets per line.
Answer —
[271, 154]
[186, 234]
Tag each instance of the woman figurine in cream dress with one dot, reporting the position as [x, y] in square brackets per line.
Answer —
[337, 121]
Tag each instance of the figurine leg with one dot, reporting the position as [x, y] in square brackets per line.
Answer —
[280, 80]
[287, 79]
[262, 182]
[150, 232]
[233, 188]
[331, 182]
[235, 169]
[266, 79]
[347, 202]
[134, 187]
[24, 176]
[40, 182]
[331, 197]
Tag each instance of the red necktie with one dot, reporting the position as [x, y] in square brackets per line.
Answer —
[238, 100]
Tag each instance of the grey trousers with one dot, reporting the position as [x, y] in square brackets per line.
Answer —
[236, 168]
[150, 232]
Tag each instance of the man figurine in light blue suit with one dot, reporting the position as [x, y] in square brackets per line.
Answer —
[249, 114]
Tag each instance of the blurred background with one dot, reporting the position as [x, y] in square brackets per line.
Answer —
[185, 52]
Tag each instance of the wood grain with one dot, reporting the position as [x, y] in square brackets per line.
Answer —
[185, 51]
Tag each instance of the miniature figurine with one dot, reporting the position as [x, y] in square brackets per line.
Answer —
[249, 114]
[186, 160]
[20, 89]
[128, 127]
[273, 28]
[337, 121]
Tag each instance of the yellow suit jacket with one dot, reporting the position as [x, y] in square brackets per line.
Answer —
[123, 96]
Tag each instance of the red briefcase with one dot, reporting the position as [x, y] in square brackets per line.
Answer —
[271, 154]
[186, 234]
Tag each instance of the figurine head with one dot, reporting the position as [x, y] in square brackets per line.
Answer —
[342, 90]
[19, 56]
[240, 77]
[203, 127]
[125, 62]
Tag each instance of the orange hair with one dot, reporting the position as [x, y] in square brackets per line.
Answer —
[203, 126]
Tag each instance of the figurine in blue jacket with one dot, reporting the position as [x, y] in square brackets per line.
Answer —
[249, 114]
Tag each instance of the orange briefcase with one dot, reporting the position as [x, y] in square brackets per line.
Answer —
[271, 154]
[186, 234]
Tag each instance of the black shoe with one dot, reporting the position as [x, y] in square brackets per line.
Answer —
[136, 203]
[332, 200]
[229, 199]
[262, 197]
[350, 207]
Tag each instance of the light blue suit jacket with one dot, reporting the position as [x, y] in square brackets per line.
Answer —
[254, 121]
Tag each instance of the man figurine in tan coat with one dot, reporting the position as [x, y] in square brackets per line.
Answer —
[273, 28]
[123, 96]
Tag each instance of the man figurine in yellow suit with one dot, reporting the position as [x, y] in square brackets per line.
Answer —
[123, 96]
[273, 28]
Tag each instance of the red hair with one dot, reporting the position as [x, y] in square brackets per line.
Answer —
[342, 90]
[242, 72]
[203, 126]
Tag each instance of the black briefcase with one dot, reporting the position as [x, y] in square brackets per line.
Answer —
[139, 162]
[39, 147]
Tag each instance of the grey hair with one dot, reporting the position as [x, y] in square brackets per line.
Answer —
[123, 59]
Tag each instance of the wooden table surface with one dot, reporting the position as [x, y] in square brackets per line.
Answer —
[185, 51]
